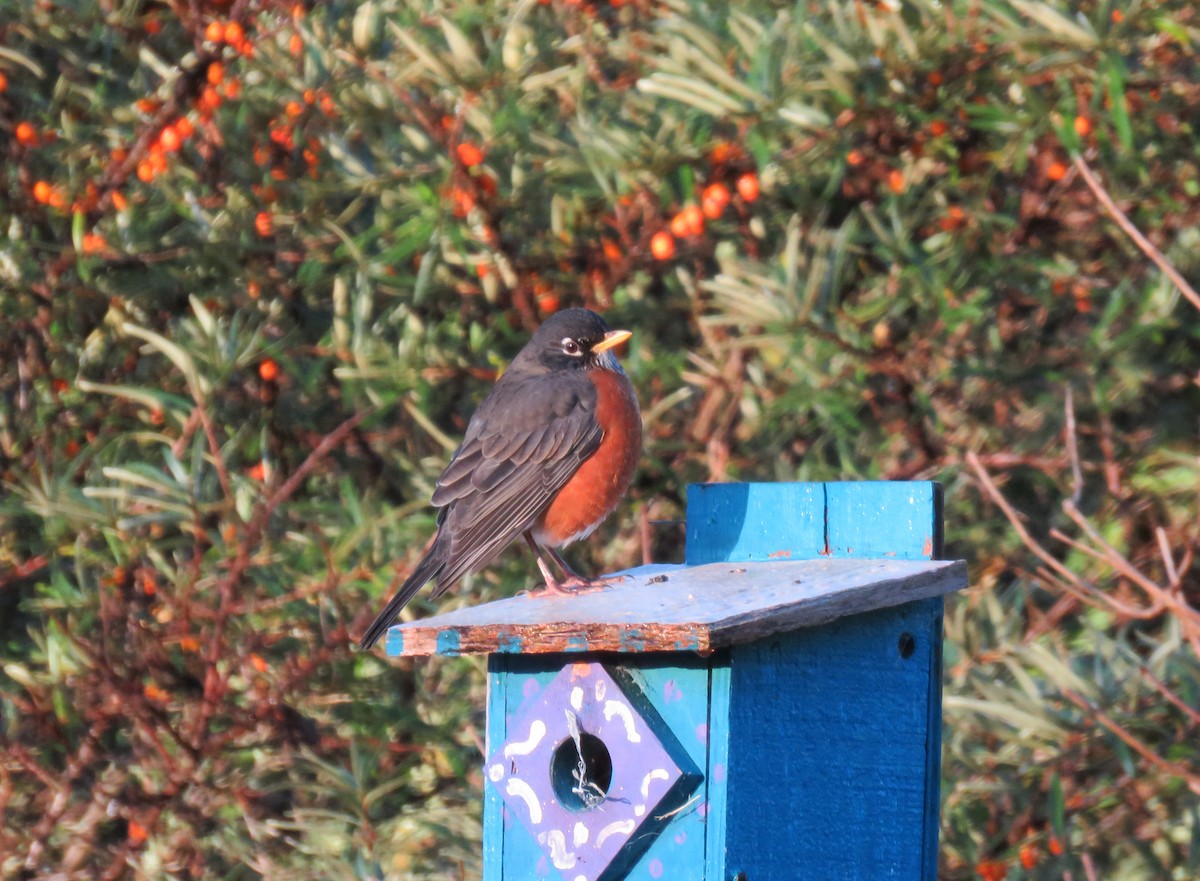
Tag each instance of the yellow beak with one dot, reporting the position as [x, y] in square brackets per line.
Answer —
[611, 339]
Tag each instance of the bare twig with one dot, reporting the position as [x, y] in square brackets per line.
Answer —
[1135, 743]
[1146, 246]
[1073, 448]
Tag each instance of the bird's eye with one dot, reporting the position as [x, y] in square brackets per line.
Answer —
[570, 346]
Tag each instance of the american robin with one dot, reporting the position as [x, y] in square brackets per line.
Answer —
[548, 455]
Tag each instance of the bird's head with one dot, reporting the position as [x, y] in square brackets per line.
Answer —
[574, 339]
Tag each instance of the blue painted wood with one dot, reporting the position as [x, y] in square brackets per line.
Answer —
[493, 805]
[754, 521]
[717, 813]
[677, 687]
[833, 750]
[900, 520]
[800, 521]
[834, 737]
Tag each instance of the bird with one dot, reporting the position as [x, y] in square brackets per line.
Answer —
[547, 456]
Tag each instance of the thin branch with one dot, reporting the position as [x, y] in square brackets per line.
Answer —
[1175, 769]
[1073, 449]
[1146, 246]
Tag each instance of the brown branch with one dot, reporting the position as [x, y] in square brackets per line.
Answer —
[1123, 221]
[1175, 769]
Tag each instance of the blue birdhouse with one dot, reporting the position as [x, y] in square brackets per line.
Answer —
[771, 709]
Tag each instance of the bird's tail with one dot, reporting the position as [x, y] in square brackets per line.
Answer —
[430, 567]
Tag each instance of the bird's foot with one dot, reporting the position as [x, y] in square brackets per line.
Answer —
[574, 585]
[579, 584]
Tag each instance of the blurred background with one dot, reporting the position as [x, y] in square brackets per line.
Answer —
[260, 260]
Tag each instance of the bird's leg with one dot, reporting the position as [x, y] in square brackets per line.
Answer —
[576, 582]
[552, 586]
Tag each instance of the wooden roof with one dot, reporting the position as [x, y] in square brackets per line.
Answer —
[681, 608]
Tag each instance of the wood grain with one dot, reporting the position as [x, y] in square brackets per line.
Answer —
[696, 608]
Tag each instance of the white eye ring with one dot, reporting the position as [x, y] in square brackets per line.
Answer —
[570, 346]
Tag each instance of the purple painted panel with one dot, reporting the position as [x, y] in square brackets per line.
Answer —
[589, 768]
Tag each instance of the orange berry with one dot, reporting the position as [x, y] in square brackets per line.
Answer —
[296, 44]
[724, 152]
[233, 88]
[145, 171]
[463, 201]
[1083, 126]
[57, 199]
[855, 158]
[1054, 846]
[137, 833]
[184, 128]
[1028, 855]
[216, 73]
[991, 870]
[662, 245]
[3, 82]
[1056, 170]
[259, 663]
[711, 209]
[209, 101]
[896, 181]
[169, 139]
[154, 693]
[268, 370]
[1118, 16]
[935, 78]
[152, 25]
[748, 187]
[26, 134]
[293, 108]
[119, 201]
[548, 303]
[41, 192]
[257, 472]
[282, 135]
[717, 193]
[327, 105]
[937, 128]
[234, 35]
[310, 96]
[93, 243]
[611, 250]
[679, 225]
[253, 290]
[469, 154]
[264, 225]
[189, 644]
[215, 32]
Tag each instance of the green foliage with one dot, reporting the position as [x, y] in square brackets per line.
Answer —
[255, 279]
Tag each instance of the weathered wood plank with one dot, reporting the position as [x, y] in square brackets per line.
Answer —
[755, 521]
[835, 754]
[695, 608]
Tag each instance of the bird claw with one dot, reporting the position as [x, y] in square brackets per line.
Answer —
[574, 586]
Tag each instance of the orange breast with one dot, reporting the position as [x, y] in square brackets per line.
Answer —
[601, 481]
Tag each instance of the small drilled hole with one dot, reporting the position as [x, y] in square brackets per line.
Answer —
[907, 645]
[578, 791]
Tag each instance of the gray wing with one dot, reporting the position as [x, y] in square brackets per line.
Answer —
[522, 446]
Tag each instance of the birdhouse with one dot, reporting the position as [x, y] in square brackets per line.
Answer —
[771, 709]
